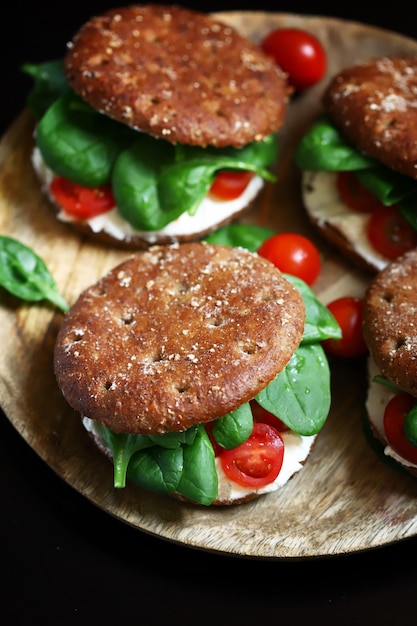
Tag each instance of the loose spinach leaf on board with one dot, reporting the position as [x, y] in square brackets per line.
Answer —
[300, 394]
[24, 274]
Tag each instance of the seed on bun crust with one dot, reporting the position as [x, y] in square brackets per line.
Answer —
[175, 336]
[177, 74]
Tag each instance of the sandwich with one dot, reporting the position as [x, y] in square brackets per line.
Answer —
[358, 162]
[159, 125]
[389, 323]
[197, 369]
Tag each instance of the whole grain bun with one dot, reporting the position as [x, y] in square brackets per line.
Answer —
[389, 322]
[374, 105]
[175, 336]
[177, 74]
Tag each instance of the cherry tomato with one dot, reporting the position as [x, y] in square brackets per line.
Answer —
[293, 254]
[354, 195]
[258, 461]
[298, 53]
[230, 184]
[390, 233]
[394, 416]
[81, 202]
[265, 417]
[348, 312]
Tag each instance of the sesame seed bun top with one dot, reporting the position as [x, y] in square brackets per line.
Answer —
[375, 106]
[177, 335]
[177, 74]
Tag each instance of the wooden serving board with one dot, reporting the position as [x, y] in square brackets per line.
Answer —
[346, 499]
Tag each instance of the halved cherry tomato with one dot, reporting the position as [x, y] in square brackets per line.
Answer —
[294, 254]
[394, 416]
[82, 202]
[348, 312]
[258, 461]
[299, 53]
[390, 233]
[230, 184]
[265, 417]
[354, 195]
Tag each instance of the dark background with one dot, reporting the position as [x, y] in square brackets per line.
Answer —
[64, 561]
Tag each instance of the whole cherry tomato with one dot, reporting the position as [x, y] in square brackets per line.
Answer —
[293, 254]
[394, 416]
[390, 233]
[230, 184]
[299, 53]
[258, 461]
[348, 312]
[81, 202]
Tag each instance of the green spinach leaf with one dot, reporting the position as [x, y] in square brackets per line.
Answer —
[49, 84]
[24, 274]
[320, 324]
[300, 394]
[78, 143]
[248, 236]
[324, 147]
[234, 428]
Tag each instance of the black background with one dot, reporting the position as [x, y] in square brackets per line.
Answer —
[63, 561]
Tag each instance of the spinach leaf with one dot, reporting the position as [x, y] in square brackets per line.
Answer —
[155, 182]
[199, 480]
[78, 143]
[234, 428]
[157, 469]
[320, 324]
[324, 147]
[122, 447]
[388, 186]
[248, 236]
[174, 440]
[49, 84]
[24, 274]
[300, 394]
[408, 208]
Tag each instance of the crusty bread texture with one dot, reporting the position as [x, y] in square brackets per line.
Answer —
[177, 335]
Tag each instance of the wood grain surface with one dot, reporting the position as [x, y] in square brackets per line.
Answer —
[346, 499]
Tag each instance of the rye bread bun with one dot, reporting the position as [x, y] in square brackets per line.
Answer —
[177, 74]
[175, 336]
[178, 335]
[374, 105]
[390, 328]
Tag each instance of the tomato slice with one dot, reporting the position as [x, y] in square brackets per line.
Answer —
[256, 462]
[82, 202]
[230, 184]
[293, 254]
[262, 415]
[355, 195]
[390, 233]
[394, 416]
[348, 312]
